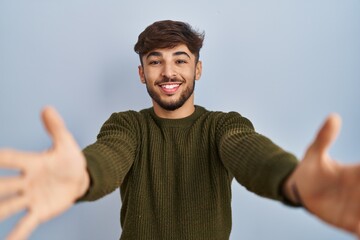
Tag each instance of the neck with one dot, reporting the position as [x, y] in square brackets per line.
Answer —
[184, 111]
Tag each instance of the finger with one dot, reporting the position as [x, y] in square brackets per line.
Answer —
[11, 206]
[24, 228]
[54, 124]
[12, 159]
[10, 186]
[327, 134]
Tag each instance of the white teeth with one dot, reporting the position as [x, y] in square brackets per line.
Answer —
[172, 86]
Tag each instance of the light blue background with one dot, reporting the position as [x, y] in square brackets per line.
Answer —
[284, 64]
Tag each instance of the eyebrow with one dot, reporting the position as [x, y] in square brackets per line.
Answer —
[181, 53]
[159, 54]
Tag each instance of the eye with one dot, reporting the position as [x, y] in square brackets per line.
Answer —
[154, 62]
[180, 61]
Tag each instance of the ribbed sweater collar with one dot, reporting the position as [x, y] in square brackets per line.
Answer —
[180, 122]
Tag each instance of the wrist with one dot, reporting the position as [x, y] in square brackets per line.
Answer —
[84, 184]
[291, 192]
[296, 195]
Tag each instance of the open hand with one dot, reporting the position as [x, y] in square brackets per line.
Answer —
[48, 183]
[326, 188]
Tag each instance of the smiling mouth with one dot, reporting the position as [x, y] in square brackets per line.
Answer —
[169, 88]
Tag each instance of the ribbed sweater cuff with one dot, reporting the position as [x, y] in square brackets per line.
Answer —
[282, 166]
[94, 170]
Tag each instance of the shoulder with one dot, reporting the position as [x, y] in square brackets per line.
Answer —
[130, 121]
[130, 116]
[227, 119]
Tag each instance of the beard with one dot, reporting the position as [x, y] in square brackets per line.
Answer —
[173, 104]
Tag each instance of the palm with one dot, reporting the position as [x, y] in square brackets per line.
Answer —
[50, 181]
[327, 188]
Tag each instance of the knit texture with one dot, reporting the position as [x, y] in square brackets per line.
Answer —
[175, 174]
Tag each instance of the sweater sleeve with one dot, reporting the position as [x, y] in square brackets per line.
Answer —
[111, 156]
[254, 160]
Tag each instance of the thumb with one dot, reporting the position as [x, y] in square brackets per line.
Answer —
[327, 134]
[54, 124]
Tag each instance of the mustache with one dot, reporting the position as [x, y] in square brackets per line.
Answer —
[169, 80]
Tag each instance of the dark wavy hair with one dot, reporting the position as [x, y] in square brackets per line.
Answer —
[169, 34]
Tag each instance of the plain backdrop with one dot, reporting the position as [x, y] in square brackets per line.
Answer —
[283, 64]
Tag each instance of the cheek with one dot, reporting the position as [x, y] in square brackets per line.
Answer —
[152, 73]
[190, 75]
[149, 76]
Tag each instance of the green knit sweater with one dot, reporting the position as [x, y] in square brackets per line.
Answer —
[175, 174]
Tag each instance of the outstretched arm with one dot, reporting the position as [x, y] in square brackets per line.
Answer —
[325, 187]
[49, 182]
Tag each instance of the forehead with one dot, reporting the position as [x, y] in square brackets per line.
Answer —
[161, 52]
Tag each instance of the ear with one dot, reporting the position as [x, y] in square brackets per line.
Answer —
[198, 70]
[141, 74]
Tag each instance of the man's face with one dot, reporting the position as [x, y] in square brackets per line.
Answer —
[169, 75]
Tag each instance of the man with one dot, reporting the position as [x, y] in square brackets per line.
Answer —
[174, 162]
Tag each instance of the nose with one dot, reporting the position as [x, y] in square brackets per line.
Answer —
[169, 71]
